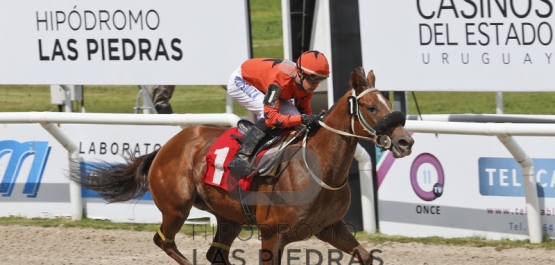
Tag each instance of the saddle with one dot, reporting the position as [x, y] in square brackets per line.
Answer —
[266, 161]
[267, 165]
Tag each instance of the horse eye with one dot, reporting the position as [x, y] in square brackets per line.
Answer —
[372, 108]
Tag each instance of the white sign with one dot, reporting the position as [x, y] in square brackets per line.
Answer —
[122, 42]
[459, 45]
[464, 186]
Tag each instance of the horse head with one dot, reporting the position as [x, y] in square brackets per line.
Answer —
[375, 117]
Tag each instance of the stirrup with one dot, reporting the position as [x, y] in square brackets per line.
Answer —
[239, 168]
[239, 173]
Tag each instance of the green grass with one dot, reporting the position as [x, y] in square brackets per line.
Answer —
[266, 20]
[116, 99]
[266, 28]
[211, 99]
[482, 102]
[202, 230]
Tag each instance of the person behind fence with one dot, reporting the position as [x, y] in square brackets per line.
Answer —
[161, 95]
[265, 87]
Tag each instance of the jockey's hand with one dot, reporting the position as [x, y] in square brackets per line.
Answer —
[311, 121]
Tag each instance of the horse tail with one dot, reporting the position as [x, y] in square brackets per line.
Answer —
[118, 182]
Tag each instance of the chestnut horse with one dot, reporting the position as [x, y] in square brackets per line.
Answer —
[319, 201]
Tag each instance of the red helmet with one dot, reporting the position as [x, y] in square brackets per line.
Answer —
[313, 63]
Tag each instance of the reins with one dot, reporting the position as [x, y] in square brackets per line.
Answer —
[319, 181]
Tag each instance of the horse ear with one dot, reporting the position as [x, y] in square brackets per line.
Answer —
[371, 79]
[357, 79]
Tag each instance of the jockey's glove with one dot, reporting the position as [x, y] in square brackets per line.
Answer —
[311, 121]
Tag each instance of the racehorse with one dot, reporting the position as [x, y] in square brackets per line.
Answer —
[174, 175]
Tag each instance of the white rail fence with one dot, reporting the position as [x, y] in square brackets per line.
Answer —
[503, 131]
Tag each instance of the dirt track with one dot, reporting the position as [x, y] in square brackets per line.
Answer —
[36, 245]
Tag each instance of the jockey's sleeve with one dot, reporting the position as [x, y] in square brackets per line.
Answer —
[272, 105]
[275, 119]
[303, 104]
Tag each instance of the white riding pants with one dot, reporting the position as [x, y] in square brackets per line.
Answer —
[252, 99]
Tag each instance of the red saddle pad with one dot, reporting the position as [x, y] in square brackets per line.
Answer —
[221, 153]
[217, 159]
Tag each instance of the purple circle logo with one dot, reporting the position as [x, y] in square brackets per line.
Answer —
[427, 177]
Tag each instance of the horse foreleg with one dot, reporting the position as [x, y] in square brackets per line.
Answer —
[272, 247]
[339, 236]
[226, 232]
[164, 238]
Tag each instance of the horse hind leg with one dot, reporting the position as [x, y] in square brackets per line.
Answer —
[165, 237]
[226, 232]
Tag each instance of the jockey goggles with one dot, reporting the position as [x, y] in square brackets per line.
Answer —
[313, 79]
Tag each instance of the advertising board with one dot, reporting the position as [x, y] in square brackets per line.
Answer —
[464, 186]
[123, 42]
[459, 45]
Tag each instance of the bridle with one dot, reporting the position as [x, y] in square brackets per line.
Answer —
[382, 141]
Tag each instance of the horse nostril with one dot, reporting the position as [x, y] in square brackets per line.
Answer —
[405, 143]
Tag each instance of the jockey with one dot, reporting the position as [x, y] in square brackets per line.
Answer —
[265, 87]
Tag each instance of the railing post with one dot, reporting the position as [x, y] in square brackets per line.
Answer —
[75, 196]
[530, 189]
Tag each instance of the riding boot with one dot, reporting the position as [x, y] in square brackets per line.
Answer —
[240, 165]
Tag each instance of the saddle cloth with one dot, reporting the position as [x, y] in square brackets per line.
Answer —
[222, 152]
